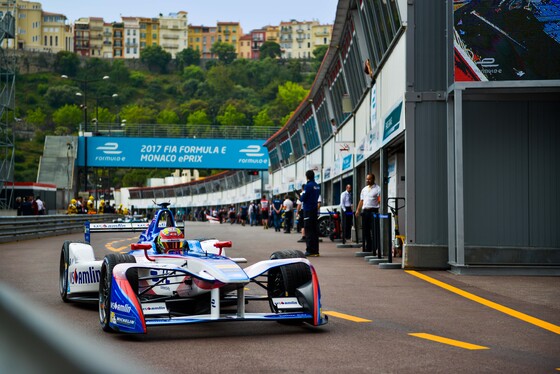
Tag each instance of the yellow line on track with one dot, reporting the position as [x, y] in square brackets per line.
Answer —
[455, 343]
[124, 248]
[511, 312]
[346, 316]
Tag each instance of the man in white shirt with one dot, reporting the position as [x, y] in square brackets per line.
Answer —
[288, 214]
[368, 206]
[40, 205]
[346, 211]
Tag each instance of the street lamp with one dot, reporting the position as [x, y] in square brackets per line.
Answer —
[84, 83]
[97, 98]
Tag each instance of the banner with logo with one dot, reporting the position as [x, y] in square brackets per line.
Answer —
[506, 40]
[119, 152]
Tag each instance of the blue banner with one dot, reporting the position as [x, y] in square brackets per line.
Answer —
[119, 152]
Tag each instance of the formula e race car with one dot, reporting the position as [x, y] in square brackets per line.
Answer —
[168, 280]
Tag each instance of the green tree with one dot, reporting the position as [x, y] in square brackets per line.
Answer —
[36, 117]
[319, 53]
[136, 114]
[224, 51]
[198, 117]
[270, 50]
[198, 124]
[66, 63]
[167, 116]
[231, 116]
[263, 119]
[193, 72]
[290, 95]
[105, 115]
[156, 58]
[119, 72]
[220, 82]
[58, 96]
[193, 105]
[187, 57]
[135, 178]
[69, 116]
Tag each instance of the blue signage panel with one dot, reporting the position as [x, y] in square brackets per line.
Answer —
[119, 152]
[393, 121]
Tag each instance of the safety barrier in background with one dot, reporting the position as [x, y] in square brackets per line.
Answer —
[34, 227]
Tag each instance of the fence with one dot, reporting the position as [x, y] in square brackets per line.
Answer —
[34, 227]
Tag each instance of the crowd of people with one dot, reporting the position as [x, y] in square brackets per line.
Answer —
[277, 213]
[77, 206]
[30, 206]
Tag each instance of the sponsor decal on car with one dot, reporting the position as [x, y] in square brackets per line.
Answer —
[85, 277]
[286, 302]
[154, 308]
[125, 321]
[120, 307]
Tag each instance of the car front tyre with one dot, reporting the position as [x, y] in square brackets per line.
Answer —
[63, 271]
[105, 284]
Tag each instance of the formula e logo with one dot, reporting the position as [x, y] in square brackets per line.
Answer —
[252, 151]
[110, 148]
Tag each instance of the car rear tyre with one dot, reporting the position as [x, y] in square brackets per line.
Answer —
[106, 281]
[284, 280]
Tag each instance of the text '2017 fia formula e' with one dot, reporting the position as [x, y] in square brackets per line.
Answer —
[166, 279]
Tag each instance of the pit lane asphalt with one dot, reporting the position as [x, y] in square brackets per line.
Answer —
[393, 304]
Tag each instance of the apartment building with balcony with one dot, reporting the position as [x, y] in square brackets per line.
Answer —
[258, 37]
[245, 43]
[82, 41]
[202, 38]
[56, 34]
[96, 36]
[320, 35]
[286, 38]
[107, 48]
[174, 32]
[149, 32]
[118, 39]
[229, 32]
[131, 37]
[272, 33]
[88, 36]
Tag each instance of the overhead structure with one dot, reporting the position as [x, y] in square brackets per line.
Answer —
[7, 102]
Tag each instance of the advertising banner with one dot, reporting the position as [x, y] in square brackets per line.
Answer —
[506, 40]
[119, 152]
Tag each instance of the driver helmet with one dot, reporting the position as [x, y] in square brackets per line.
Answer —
[170, 239]
[73, 201]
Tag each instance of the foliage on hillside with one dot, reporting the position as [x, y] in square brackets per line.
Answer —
[222, 92]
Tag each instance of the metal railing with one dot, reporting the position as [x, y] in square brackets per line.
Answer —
[184, 131]
[33, 227]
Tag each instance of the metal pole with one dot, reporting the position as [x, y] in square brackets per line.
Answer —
[85, 138]
[388, 236]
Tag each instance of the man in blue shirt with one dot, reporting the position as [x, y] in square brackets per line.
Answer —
[310, 200]
[276, 212]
